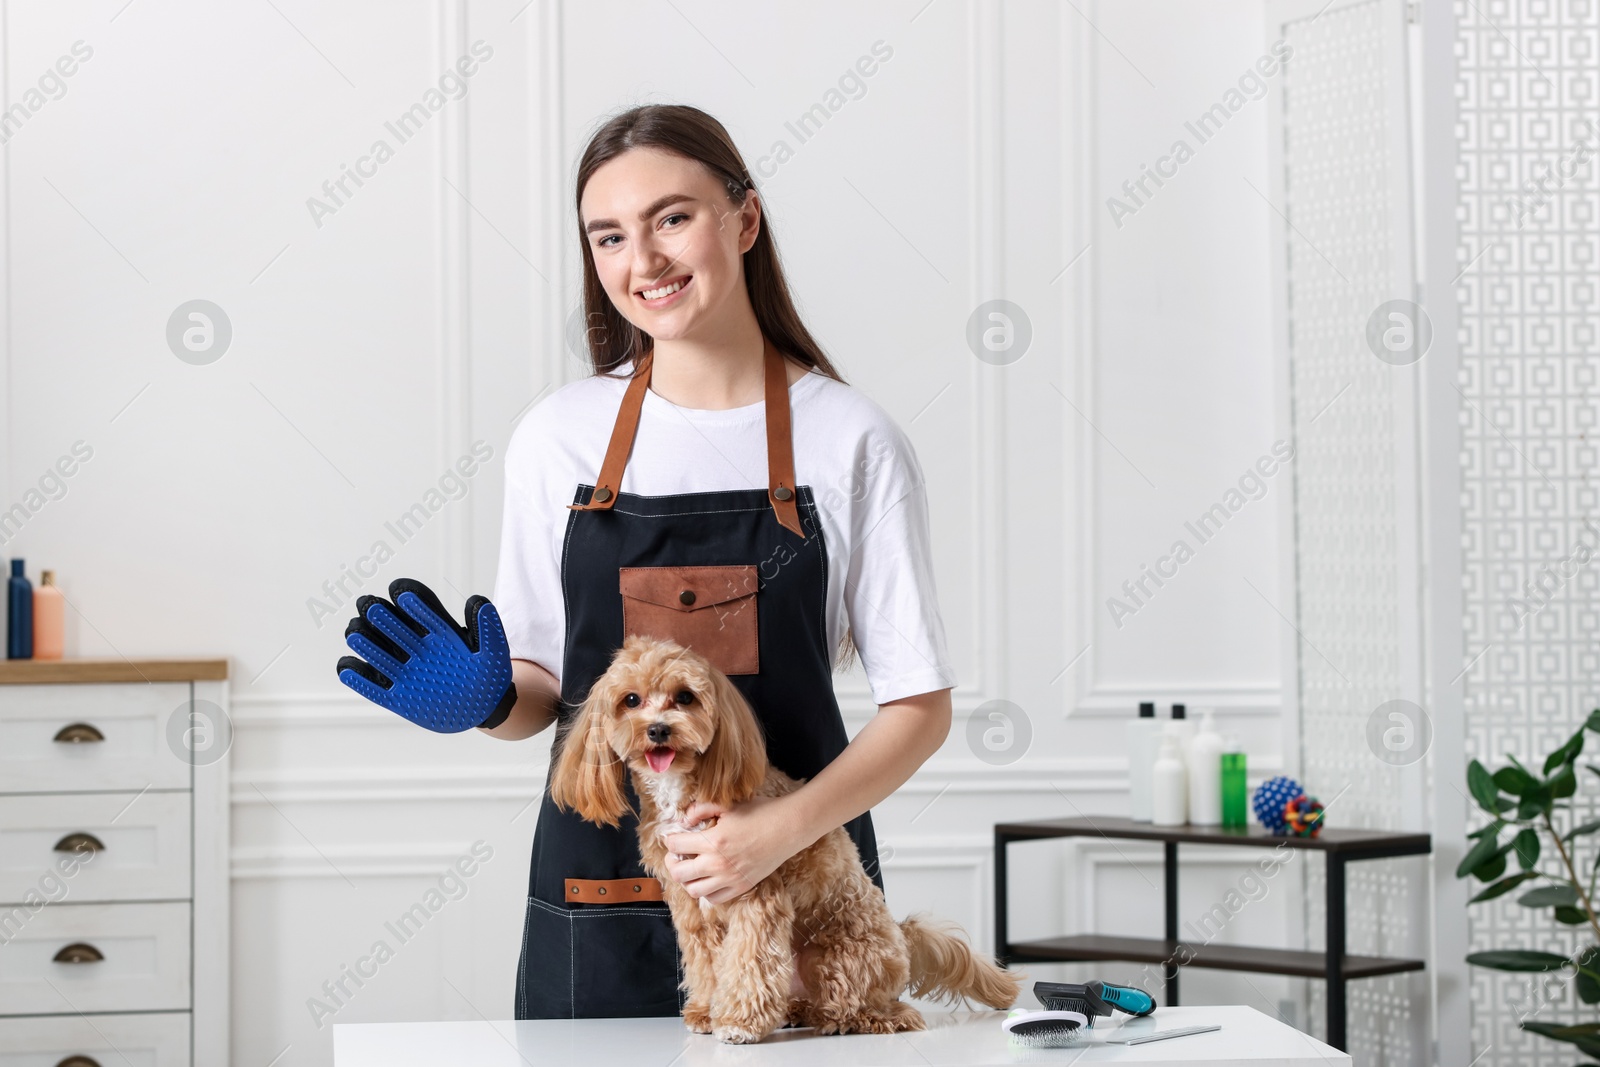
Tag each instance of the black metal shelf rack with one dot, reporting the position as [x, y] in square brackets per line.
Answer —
[1341, 847]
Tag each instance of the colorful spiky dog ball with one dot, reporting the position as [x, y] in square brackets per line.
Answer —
[1270, 799]
[1303, 816]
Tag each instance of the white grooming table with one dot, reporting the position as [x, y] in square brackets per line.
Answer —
[952, 1038]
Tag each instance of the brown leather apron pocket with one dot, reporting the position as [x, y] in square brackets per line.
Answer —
[710, 610]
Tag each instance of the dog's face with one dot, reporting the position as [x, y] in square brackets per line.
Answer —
[659, 709]
[659, 704]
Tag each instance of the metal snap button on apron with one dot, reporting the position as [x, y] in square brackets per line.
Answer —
[617, 955]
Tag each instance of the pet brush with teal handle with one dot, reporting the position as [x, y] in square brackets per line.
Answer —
[1069, 1012]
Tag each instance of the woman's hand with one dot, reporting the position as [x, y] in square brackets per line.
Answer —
[749, 841]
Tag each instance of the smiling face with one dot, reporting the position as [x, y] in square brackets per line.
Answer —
[658, 700]
[667, 242]
[666, 714]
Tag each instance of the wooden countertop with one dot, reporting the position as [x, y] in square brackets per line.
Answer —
[50, 671]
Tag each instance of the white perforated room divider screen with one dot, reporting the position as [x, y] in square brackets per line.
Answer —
[1528, 92]
[1344, 249]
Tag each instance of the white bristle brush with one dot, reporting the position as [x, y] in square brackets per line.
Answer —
[1028, 1028]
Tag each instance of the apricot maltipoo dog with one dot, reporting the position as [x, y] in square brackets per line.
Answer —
[684, 731]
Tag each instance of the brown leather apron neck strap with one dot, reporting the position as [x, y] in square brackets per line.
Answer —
[609, 484]
[780, 440]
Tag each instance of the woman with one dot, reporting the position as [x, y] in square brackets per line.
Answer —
[715, 439]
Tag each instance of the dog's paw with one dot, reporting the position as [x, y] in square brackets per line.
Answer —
[906, 1017]
[894, 1018]
[679, 828]
[801, 1012]
[738, 1035]
[697, 1018]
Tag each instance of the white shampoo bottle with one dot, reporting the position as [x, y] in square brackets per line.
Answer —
[1205, 774]
[1142, 734]
[1169, 789]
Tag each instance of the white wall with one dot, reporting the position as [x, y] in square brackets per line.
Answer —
[371, 351]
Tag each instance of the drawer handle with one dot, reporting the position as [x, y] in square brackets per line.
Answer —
[78, 952]
[78, 733]
[79, 1061]
[79, 842]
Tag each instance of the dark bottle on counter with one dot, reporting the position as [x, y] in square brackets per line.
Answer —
[19, 614]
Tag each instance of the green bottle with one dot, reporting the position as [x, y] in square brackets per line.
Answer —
[1235, 800]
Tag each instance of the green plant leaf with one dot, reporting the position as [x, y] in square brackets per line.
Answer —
[1585, 1044]
[1593, 722]
[1503, 886]
[1534, 804]
[1572, 917]
[1566, 753]
[1526, 846]
[1582, 1035]
[1505, 804]
[1484, 791]
[1550, 896]
[1477, 855]
[1494, 828]
[1587, 979]
[1493, 867]
[1561, 1031]
[1578, 831]
[1564, 784]
[1517, 959]
[1514, 780]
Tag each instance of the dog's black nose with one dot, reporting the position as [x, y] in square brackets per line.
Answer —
[658, 733]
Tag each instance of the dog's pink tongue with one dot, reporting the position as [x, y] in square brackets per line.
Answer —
[659, 759]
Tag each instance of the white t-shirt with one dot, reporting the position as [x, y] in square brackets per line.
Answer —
[862, 470]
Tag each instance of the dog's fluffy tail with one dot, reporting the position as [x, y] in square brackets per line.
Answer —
[944, 967]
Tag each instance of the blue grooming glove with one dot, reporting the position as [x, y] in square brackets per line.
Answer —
[419, 664]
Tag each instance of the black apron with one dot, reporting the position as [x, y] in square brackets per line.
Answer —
[611, 960]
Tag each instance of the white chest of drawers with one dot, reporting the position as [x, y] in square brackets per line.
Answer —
[113, 863]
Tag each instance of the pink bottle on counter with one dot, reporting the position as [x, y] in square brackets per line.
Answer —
[49, 618]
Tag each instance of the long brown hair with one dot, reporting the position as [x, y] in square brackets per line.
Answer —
[610, 338]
